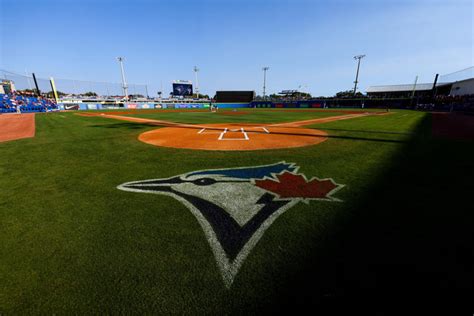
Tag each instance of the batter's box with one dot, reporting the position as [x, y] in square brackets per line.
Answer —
[210, 131]
[257, 130]
[233, 134]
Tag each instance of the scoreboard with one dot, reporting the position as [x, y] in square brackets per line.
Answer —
[182, 88]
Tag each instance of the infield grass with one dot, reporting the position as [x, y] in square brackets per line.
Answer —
[70, 242]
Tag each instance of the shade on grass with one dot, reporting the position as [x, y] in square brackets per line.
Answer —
[71, 242]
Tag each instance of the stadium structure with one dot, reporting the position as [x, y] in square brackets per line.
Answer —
[458, 83]
[119, 203]
[64, 94]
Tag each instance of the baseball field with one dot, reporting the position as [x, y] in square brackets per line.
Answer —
[238, 211]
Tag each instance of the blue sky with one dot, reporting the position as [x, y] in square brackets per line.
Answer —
[307, 43]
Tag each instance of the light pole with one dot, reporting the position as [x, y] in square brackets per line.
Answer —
[124, 83]
[196, 69]
[358, 57]
[264, 79]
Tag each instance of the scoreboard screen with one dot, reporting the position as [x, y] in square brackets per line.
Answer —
[182, 88]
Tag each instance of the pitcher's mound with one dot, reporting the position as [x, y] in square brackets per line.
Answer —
[233, 137]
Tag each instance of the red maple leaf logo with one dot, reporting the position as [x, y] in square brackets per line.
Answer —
[291, 185]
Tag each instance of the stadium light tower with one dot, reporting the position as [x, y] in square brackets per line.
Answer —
[124, 83]
[358, 57]
[196, 70]
[264, 79]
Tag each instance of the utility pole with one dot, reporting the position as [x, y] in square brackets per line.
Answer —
[196, 69]
[38, 91]
[264, 79]
[434, 89]
[413, 91]
[414, 87]
[358, 57]
[124, 83]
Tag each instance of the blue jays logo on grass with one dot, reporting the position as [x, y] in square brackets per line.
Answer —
[235, 206]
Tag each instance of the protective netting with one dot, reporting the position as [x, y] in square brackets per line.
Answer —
[103, 89]
[459, 75]
[72, 87]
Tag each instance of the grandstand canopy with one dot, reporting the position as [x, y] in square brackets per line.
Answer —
[404, 90]
[400, 88]
[288, 92]
[456, 83]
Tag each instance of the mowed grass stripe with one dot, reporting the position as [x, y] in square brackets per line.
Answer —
[71, 242]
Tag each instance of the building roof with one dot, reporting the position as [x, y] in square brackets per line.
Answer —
[400, 87]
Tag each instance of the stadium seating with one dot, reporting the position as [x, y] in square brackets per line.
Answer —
[27, 104]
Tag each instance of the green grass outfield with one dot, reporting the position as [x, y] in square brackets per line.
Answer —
[71, 242]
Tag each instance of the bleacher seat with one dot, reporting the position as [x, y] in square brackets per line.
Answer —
[29, 104]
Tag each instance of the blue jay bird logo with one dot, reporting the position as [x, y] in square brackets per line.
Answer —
[235, 206]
